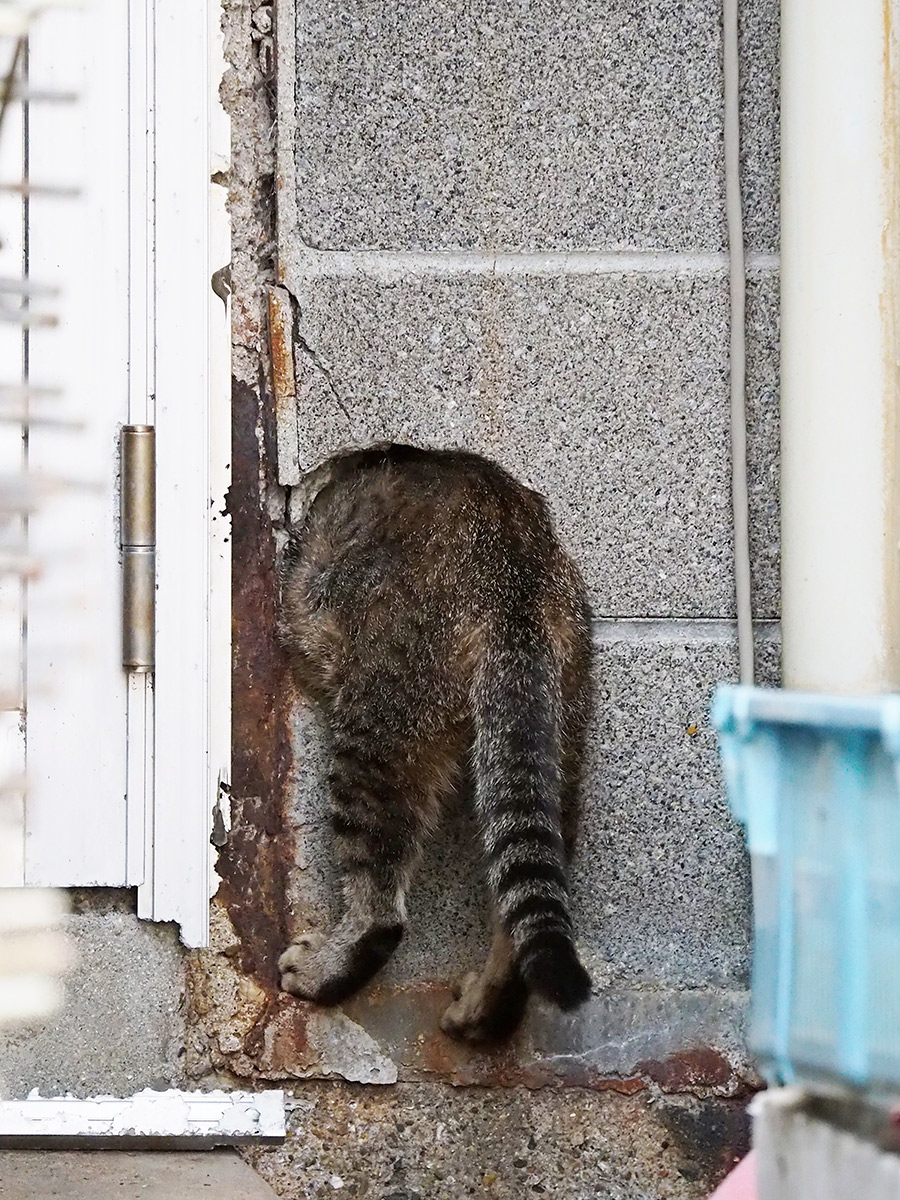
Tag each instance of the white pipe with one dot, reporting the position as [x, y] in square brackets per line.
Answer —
[840, 345]
[737, 276]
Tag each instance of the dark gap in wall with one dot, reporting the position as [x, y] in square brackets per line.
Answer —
[102, 900]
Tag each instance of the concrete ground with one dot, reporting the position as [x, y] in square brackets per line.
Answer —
[128, 1175]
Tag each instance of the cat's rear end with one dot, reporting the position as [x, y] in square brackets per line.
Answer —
[433, 617]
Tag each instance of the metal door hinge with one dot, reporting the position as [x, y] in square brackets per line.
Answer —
[138, 526]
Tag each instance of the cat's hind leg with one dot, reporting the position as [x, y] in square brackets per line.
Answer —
[380, 816]
[491, 1002]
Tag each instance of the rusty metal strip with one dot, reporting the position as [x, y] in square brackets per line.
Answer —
[284, 386]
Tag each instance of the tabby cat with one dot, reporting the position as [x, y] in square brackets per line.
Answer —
[432, 617]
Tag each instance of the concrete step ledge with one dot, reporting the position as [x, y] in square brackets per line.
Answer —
[128, 1175]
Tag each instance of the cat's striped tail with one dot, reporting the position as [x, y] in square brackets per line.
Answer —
[516, 712]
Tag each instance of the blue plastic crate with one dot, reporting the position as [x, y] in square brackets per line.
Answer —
[815, 781]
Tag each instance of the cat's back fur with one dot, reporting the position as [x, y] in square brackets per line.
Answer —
[431, 613]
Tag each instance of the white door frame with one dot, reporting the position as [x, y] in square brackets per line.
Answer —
[187, 395]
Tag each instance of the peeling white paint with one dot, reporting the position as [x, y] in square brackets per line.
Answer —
[217, 1116]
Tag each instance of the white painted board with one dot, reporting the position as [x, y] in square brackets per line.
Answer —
[75, 817]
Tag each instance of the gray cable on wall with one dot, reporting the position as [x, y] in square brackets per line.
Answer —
[738, 288]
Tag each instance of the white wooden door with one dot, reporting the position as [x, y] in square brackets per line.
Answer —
[119, 214]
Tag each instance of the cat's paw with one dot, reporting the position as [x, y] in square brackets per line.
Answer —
[298, 966]
[467, 1019]
[485, 1010]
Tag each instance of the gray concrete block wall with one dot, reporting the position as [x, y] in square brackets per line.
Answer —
[524, 125]
[502, 227]
[603, 387]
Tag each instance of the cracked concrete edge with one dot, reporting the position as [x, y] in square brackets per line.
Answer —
[626, 1039]
[297, 389]
[240, 1029]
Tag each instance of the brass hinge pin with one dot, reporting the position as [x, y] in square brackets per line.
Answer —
[138, 540]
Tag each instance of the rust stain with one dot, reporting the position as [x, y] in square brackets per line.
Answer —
[702, 1069]
[465, 1064]
[284, 383]
[290, 1039]
[405, 1022]
[253, 864]
[279, 1043]
[510, 1065]
[281, 348]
